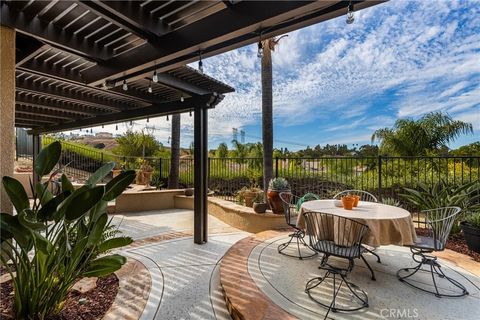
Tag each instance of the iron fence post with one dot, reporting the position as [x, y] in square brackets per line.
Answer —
[380, 176]
[276, 167]
[160, 168]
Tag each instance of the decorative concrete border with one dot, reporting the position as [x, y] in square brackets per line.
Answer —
[244, 299]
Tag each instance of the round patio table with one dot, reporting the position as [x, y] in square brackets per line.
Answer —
[388, 225]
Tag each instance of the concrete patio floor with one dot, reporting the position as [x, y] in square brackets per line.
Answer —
[185, 276]
[282, 279]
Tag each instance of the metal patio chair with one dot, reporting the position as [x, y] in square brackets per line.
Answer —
[291, 209]
[364, 196]
[342, 238]
[439, 224]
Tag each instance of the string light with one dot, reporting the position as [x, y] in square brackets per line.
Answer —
[260, 50]
[167, 117]
[125, 86]
[182, 98]
[200, 64]
[91, 130]
[155, 76]
[150, 90]
[116, 127]
[190, 113]
[350, 14]
[102, 126]
[148, 120]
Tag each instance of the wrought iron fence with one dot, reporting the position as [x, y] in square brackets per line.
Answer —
[384, 176]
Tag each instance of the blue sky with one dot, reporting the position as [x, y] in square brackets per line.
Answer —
[337, 83]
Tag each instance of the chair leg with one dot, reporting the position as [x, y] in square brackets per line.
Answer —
[370, 268]
[434, 270]
[337, 285]
[298, 235]
[374, 253]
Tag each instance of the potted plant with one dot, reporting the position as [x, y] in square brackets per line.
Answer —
[275, 187]
[189, 192]
[246, 195]
[116, 170]
[259, 204]
[471, 231]
[147, 171]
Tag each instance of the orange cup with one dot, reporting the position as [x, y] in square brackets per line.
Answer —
[348, 202]
[357, 199]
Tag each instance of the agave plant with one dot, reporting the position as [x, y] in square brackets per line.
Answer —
[49, 245]
[443, 194]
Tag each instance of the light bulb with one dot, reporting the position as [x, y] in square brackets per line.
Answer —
[167, 117]
[190, 113]
[155, 76]
[200, 66]
[116, 127]
[260, 50]
[125, 86]
[148, 120]
[350, 14]
[150, 90]
[182, 98]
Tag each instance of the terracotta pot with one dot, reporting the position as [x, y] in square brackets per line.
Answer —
[248, 197]
[259, 207]
[147, 177]
[276, 204]
[116, 172]
[357, 200]
[348, 202]
[139, 177]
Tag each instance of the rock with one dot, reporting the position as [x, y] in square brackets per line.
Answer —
[85, 284]
[82, 301]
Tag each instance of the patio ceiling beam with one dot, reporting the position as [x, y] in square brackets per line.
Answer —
[29, 110]
[29, 51]
[51, 34]
[171, 82]
[242, 18]
[21, 116]
[70, 95]
[130, 16]
[54, 105]
[155, 110]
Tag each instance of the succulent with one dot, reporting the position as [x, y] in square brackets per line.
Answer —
[279, 184]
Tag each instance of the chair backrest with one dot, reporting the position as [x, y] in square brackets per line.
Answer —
[335, 235]
[364, 195]
[289, 205]
[440, 222]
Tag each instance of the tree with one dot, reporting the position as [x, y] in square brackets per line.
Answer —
[173, 177]
[267, 47]
[240, 151]
[136, 144]
[222, 150]
[429, 134]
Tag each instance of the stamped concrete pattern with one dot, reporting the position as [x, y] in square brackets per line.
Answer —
[283, 279]
[185, 281]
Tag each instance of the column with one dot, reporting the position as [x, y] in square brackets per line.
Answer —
[200, 161]
[7, 110]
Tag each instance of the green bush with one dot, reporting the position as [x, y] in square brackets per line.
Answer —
[473, 220]
[52, 243]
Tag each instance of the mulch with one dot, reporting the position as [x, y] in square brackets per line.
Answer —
[98, 301]
[456, 242]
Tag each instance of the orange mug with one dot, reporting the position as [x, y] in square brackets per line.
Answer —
[348, 202]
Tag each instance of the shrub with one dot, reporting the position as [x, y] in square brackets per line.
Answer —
[278, 184]
[473, 220]
[58, 239]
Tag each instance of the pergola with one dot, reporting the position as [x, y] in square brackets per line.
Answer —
[74, 58]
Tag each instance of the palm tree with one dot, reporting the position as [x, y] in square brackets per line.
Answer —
[430, 133]
[240, 151]
[267, 47]
[173, 176]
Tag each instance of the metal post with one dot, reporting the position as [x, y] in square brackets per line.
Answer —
[200, 162]
[160, 168]
[276, 167]
[37, 146]
[380, 177]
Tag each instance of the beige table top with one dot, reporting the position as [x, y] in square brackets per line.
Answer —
[387, 224]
